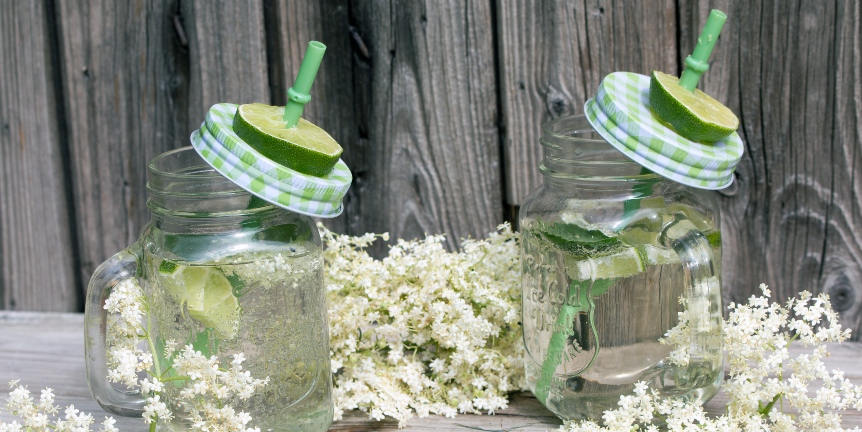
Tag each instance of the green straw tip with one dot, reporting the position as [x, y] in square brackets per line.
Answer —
[697, 63]
[317, 46]
[298, 95]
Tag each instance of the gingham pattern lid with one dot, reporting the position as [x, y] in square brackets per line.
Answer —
[228, 154]
[621, 114]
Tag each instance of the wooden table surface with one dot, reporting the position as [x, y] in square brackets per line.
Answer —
[46, 350]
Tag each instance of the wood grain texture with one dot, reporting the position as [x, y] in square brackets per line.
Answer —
[37, 268]
[553, 55]
[45, 350]
[124, 89]
[290, 26]
[429, 108]
[227, 52]
[139, 78]
[791, 70]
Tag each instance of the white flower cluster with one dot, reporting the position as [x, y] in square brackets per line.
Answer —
[211, 387]
[208, 387]
[762, 375]
[424, 330]
[36, 417]
[126, 306]
[206, 394]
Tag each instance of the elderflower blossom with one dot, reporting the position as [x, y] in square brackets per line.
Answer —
[762, 376]
[209, 388]
[204, 397]
[126, 308]
[424, 331]
[37, 417]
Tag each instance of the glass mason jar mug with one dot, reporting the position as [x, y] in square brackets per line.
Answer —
[227, 274]
[620, 278]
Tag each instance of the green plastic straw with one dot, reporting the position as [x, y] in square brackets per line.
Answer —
[584, 291]
[298, 95]
[697, 63]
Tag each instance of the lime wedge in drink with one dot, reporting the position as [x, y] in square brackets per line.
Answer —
[694, 115]
[623, 263]
[184, 283]
[655, 255]
[207, 293]
[305, 148]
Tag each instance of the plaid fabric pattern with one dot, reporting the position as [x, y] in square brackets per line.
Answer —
[217, 143]
[621, 114]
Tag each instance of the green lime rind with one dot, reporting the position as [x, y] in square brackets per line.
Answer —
[694, 115]
[578, 241]
[207, 294]
[305, 148]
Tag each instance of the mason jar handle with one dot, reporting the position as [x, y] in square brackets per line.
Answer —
[702, 287]
[120, 267]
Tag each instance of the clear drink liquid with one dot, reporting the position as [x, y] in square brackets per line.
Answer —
[595, 306]
[268, 305]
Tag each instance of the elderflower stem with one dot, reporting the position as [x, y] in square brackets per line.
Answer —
[765, 410]
[175, 378]
[156, 365]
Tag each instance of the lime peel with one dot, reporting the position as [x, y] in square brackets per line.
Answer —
[207, 294]
[305, 148]
[694, 115]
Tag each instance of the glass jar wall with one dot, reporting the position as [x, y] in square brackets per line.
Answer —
[227, 274]
[615, 259]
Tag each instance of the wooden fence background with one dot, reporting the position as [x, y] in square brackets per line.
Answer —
[438, 106]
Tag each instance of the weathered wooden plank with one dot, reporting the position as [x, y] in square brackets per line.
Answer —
[553, 55]
[427, 97]
[841, 277]
[36, 252]
[46, 350]
[227, 54]
[124, 89]
[524, 413]
[290, 26]
[791, 70]
[139, 78]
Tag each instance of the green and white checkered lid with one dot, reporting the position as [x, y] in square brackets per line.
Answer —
[228, 154]
[621, 114]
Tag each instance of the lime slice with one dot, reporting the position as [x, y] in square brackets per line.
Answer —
[623, 263]
[184, 284]
[207, 294]
[220, 310]
[305, 148]
[659, 256]
[693, 115]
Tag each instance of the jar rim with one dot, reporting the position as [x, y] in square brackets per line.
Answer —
[586, 128]
[574, 150]
[154, 167]
[182, 184]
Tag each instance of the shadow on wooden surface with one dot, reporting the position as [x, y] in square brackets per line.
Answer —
[46, 350]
